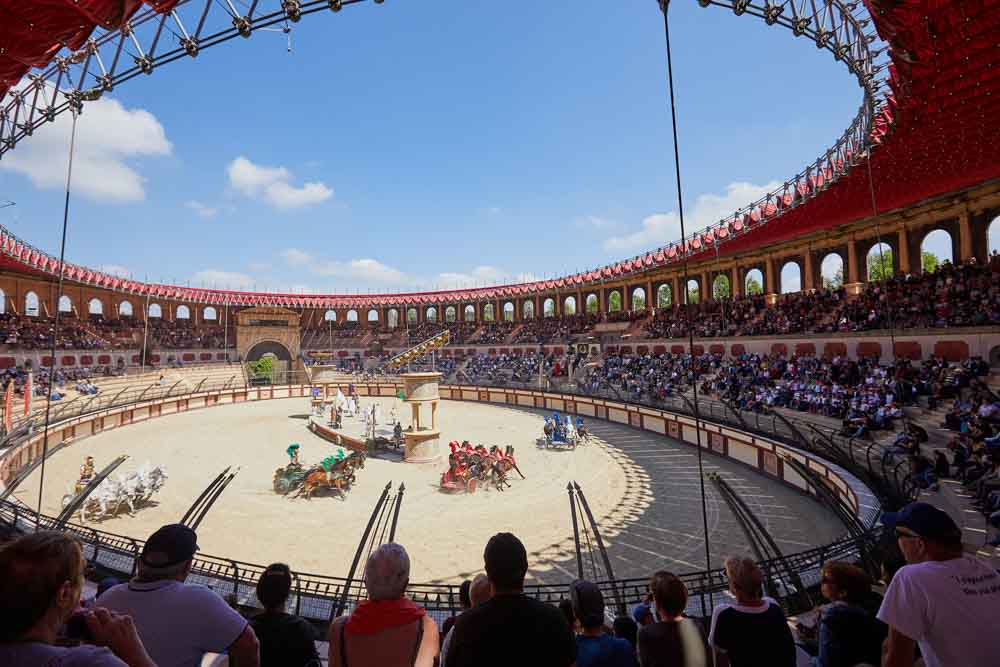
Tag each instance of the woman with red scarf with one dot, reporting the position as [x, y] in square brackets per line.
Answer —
[388, 629]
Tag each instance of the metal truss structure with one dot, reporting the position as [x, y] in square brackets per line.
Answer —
[151, 39]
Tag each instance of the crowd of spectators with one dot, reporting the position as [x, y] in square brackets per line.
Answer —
[493, 333]
[554, 329]
[937, 601]
[503, 368]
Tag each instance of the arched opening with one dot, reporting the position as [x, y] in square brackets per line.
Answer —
[373, 316]
[549, 307]
[411, 316]
[209, 314]
[593, 304]
[879, 262]
[614, 301]
[65, 304]
[935, 250]
[664, 298]
[183, 312]
[508, 312]
[330, 316]
[993, 236]
[791, 278]
[31, 304]
[488, 313]
[155, 310]
[831, 271]
[352, 315]
[721, 289]
[96, 307]
[569, 306]
[392, 318]
[693, 292]
[469, 313]
[3, 301]
[431, 314]
[528, 310]
[450, 314]
[124, 309]
[638, 299]
[754, 282]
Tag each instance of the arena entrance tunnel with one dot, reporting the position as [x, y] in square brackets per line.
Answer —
[267, 348]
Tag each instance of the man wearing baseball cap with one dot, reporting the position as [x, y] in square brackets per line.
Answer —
[179, 622]
[943, 599]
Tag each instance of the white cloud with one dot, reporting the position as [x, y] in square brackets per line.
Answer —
[108, 136]
[273, 185]
[202, 210]
[260, 267]
[663, 228]
[222, 279]
[596, 222]
[364, 269]
[115, 270]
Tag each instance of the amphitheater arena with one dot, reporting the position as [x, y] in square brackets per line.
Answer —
[174, 378]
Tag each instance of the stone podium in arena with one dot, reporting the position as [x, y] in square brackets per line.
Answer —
[422, 439]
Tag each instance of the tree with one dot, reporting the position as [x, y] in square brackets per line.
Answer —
[929, 261]
[592, 305]
[569, 307]
[879, 264]
[663, 297]
[638, 301]
[693, 296]
[754, 287]
[614, 302]
[836, 281]
[263, 368]
[720, 288]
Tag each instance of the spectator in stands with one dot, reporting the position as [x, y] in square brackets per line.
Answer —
[180, 622]
[41, 578]
[479, 591]
[388, 628]
[753, 631]
[566, 608]
[626, 628]
[643, 615]
[942, 598]
[594, 648]
[285, 640]
[849, 633]
[464, 602]
[673, 641]
[510, 629]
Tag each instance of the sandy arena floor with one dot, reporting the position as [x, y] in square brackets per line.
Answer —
[642, 488]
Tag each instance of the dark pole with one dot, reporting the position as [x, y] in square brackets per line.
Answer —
[197, 502]
[339, 608]
[395, 514]
[211, 501]
[600, 546]
[576, 531]
[55, 328]
[665, 6]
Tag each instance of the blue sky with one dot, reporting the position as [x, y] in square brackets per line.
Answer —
[430, 143]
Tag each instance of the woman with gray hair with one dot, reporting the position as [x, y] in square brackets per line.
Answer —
[388, 629]
[753, 630]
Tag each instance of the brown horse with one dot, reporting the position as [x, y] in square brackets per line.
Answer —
[340, 479]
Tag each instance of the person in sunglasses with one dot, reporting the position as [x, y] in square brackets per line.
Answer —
[943, 600]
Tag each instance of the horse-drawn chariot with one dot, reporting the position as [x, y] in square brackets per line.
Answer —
[563, 432]
[471, 467]
[335, 474]
[130, 492]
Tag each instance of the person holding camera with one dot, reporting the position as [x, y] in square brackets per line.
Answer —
[41, 621]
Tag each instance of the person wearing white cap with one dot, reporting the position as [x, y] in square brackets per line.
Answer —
[943, 600]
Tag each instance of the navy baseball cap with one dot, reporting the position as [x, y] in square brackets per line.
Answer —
[926, 521]
[170, 545]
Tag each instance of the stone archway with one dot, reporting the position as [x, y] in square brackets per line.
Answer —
[274, 331]
[266, 347]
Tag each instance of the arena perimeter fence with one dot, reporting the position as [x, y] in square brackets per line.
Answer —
[315, 596]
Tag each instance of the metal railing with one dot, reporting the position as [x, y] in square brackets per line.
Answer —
[315, 595]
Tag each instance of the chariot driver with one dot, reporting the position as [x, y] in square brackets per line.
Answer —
[86, 473]
[293, 454]
[329, 464]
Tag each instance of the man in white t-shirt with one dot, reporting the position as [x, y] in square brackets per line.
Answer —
[177, 622]
[944, 600]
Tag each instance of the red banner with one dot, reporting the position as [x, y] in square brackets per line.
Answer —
[8, 406]
[29, 391]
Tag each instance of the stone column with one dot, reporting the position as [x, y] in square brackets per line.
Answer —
[770, 282]
[809, 280]
[736, 287]
[853, 285]
[903, 242]
[964, 238]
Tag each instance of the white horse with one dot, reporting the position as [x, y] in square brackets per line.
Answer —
[133, 490]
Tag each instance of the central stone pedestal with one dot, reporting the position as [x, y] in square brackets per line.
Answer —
[421, 439]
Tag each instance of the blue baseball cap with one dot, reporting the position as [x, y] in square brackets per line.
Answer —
[926, 521]
[640, 612]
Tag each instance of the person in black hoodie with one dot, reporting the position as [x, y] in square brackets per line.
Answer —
[849, 633]
[285, 640]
